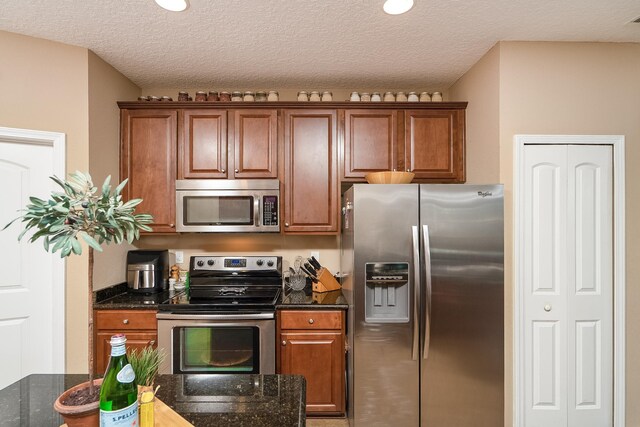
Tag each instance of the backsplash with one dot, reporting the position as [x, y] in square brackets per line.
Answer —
[286, 246]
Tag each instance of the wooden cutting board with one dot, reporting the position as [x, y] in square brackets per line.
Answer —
[164, 416]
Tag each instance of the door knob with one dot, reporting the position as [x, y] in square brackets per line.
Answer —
[125, 321]
[236, 171]
[311, 321]
[284, 342]
[222, 170]
[547, 307]
[286, 224]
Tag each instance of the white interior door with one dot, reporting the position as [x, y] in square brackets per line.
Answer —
[32, 280]
[568, 285]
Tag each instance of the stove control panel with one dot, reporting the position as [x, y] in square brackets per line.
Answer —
[244, 264]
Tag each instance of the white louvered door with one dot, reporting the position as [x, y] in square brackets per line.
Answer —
[568, 286]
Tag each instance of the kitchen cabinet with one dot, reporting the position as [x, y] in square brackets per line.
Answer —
[370, 142]
[140, 327]
[434, 144]
[427, 142]
[202, 147]
[148, 160]
[254, 134]
[310, 174]
[312, 344]
[234, 144]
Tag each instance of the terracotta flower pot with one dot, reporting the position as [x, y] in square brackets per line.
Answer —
[82, 415]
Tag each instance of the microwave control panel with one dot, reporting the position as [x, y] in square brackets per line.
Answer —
[270, 210]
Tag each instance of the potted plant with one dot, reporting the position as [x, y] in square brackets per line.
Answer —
[78, 214]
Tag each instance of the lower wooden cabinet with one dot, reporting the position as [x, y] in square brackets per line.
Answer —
[312, 344]
[140, 327]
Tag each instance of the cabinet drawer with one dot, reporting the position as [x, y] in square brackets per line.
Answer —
[310, 319]
[126, 320]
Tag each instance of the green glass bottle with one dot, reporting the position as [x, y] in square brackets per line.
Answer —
[119, 392]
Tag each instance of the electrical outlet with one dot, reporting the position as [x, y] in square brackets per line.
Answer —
[316, 255]
[179, 257]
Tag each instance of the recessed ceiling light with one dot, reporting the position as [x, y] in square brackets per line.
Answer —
[173, 5]
[396, 7]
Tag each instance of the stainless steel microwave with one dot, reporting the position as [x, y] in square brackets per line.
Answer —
[228, 205]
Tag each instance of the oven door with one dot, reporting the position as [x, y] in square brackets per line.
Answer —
[217, 343]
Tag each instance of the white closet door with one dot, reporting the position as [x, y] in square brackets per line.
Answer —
[568, 286]
[590, 286]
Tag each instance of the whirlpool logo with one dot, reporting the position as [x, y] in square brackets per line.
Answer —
[484, 194]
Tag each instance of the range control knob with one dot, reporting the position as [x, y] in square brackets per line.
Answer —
[200, 263]
[210, 262]
[259, 262]
[270, 263]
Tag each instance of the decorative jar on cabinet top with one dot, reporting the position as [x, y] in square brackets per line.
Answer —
[355, 96]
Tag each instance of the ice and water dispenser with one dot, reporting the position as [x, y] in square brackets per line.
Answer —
[387, 292]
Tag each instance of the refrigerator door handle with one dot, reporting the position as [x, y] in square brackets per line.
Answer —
[415, 345]
[427, 273]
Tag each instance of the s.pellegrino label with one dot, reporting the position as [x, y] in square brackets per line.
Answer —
[123, 417]
[119, 392]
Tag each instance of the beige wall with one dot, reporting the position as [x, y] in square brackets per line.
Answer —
[561, 88]
[106, 87]
[43, 86]
[480, 88]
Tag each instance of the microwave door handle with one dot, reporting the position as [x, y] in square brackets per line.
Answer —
[256, 210]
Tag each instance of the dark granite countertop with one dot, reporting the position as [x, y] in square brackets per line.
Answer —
[308, 300]
[203, 400]
[117, 298]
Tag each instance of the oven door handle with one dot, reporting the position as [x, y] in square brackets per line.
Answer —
[252, 316]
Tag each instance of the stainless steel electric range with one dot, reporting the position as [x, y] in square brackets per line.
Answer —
[226, 322]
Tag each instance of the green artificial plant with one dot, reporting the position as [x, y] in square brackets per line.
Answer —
[79, 213]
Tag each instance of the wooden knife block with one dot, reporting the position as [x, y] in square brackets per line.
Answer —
[326, 282]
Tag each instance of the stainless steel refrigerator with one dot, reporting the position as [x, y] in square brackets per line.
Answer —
[423, 273]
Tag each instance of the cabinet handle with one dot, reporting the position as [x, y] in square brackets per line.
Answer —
[408, 170]
[125, 321]
[222, 170]
[311, 321]
[152, 342]
[236, 171]
[284, 342]
[172, 225]
[286, 224]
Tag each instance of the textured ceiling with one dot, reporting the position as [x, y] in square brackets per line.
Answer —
[302, 43]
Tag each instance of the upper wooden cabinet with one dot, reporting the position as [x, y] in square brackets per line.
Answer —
[311, 198]
[370, 142]
[254, 134]
[202, 147]
[434, 144]
[235, 144]
[148, 159]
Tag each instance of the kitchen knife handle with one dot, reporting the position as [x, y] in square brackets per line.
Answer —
[415, 345]
[315, 262]
[427, 273]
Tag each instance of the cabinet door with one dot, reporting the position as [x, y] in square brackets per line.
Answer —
[369, 142]
[135, 340]
[203, 144]
[310, 172]
[255, 144]
[434, 144]
[319, 357]
[148, 160]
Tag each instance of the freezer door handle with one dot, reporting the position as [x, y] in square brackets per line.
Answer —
[415, 345]
[427, 274]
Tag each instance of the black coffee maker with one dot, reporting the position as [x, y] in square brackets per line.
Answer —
[148, 271]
